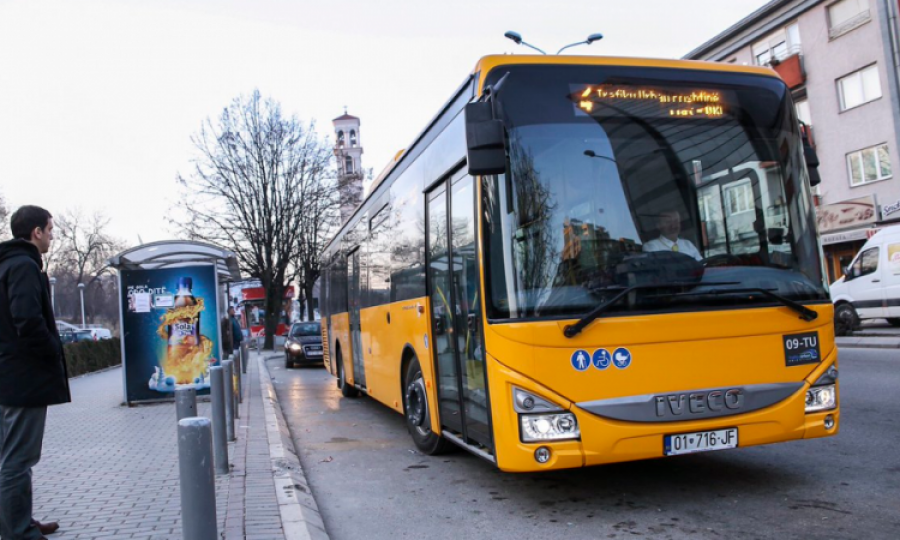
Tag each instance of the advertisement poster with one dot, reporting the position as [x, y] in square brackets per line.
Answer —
[170, 330]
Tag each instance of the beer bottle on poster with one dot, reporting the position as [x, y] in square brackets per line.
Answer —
[184, 333]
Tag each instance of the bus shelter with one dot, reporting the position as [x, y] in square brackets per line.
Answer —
[172, 295]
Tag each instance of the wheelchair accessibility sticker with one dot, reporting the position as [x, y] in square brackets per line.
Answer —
[622, 358]
[601, 359]
[581, 360]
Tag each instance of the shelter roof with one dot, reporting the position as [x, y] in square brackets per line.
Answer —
[178, 253]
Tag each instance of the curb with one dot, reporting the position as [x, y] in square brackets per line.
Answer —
[300, 516]
[853, 342]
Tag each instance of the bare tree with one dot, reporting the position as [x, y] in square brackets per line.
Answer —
[79, 254]
[5, 233]
[259, 177]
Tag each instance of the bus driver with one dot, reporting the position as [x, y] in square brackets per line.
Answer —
[669, 225]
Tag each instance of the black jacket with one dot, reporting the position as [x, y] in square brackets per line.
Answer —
[32, 365]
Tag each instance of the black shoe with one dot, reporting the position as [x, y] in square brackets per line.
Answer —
[46, 528]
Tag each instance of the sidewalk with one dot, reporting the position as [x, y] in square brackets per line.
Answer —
[110, 471]
[872, 334]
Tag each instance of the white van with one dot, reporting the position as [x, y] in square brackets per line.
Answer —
[870, 288]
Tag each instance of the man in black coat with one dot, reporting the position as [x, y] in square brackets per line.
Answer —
[32, 368]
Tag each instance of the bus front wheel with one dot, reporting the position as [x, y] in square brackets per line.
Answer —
[347, 390]
[418, 414]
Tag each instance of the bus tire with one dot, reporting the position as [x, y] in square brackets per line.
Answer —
[347, 390]
[418, 414]
[846, 320]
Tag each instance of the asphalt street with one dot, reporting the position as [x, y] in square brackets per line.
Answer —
[370, 482]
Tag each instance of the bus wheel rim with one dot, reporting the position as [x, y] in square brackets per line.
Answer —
[417, 405]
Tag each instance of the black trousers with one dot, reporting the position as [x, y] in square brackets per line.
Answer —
[21, 438]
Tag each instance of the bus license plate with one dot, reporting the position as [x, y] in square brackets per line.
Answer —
[702, 441]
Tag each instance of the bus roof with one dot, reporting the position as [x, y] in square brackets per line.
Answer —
[487, 63]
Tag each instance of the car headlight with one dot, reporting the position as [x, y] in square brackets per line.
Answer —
[295, 347]
[821, 398]
[549, 427]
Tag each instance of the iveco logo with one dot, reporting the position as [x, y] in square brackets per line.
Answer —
[699, 402]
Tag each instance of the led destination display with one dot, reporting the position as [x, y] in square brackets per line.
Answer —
[652, 101]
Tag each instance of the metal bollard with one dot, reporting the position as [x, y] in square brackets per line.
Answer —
[220, 436]
[228, 381]
[185, 403]
[198, 485]
[245, 355]
[240, 380]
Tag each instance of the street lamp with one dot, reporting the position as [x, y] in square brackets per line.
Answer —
[53, 294]
[517, 37]
[81, 290]
[590, 39]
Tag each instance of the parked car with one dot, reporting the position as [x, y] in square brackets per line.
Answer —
[78, 334]
[870, 288]
[95, 331]
[303, 344]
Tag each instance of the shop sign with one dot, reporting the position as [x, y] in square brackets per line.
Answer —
[889, 209]
[847, 214]
[848, 236]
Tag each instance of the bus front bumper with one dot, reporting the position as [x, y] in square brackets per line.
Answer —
[603, 440]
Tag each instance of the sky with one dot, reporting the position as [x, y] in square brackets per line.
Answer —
[99, 98]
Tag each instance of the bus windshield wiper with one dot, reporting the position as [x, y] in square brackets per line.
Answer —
[805, 313]
[573, 330]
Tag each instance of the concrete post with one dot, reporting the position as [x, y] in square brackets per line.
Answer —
[220, 436]
[185, 403]
[228, 381]
[198, 485]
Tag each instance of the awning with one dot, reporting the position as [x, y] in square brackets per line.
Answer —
[178, 253]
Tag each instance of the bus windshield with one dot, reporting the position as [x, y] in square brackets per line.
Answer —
[687, 186]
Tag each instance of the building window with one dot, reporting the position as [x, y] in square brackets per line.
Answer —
[777, 46]
[739, 198]
[353, 137]
[869, 165]
[348, 165]
[859, 87]
[340, 136]
[846, 15]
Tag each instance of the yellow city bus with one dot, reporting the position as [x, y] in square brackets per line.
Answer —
[587, 260]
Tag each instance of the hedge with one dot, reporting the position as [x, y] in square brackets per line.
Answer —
[87, 356]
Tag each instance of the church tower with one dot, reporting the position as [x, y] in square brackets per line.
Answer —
[348, 154]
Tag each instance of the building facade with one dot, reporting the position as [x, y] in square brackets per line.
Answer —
[348, 156]
[840, 59]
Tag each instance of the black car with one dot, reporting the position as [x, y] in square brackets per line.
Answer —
[303, 344]
[73, 336]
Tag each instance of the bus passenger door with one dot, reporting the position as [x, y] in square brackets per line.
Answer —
[354, 298]
[453, 283]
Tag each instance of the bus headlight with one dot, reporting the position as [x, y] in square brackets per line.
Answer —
[548, 427]
[821, 398]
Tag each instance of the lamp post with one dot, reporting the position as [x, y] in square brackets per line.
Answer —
[517, 38]
[81, 290]
[53, 294]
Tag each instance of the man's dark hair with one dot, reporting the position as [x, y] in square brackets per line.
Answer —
[26, 219]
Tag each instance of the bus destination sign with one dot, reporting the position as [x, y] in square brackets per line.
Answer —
[654, 102]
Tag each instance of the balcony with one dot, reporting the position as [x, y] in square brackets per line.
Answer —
[790, 69]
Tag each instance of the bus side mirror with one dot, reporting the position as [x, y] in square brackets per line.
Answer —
[486, 152]
[812, 161]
